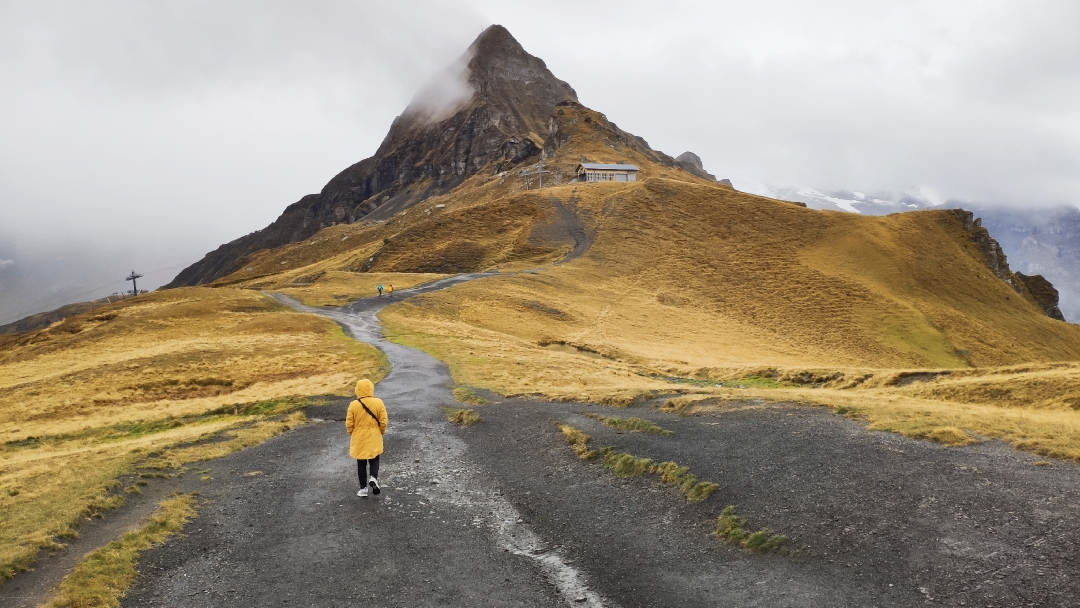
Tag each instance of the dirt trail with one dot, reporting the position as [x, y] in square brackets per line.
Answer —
[583, 237]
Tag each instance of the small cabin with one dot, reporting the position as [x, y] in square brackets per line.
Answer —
[597, 172]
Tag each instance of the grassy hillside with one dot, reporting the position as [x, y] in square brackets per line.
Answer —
[98, 394]
[685, 278]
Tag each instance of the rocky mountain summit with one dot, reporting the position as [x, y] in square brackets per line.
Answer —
[487, 108]
[490, 111]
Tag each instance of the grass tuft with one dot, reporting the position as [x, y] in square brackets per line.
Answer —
[105, 575]
[625, 466]
[732, 528]
[951, 436]
[467, 395]
[460, 416]
[577, 440]
[637, 425]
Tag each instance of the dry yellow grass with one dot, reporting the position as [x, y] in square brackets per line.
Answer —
[464, 417]
[512, 366]
[88, 399]
[1031, 407]
[578, 440]
[173, 353]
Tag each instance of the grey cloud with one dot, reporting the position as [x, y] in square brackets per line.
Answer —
[443, 93]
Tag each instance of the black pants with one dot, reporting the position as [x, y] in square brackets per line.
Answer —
[362, 466]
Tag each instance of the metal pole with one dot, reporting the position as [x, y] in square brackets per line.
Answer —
[134, 285]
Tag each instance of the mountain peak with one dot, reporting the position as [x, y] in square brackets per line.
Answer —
[494, 38]
[520, 85]
[495, 50]
[495, 71]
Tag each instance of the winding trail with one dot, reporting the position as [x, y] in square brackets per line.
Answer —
[416, 384]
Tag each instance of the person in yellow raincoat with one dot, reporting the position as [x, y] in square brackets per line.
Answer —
[366, 422]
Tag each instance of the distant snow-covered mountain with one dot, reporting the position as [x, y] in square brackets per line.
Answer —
[1036, 240]
[878, 203]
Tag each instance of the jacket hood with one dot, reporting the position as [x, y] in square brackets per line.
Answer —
[365, 388]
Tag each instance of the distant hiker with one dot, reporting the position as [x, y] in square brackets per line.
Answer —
[391, 291]
[380, 290]
[366, 422]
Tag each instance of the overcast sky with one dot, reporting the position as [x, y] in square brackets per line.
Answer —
[140, 135]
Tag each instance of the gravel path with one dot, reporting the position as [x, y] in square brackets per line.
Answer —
[504, 514]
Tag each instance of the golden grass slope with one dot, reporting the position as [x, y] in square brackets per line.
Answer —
[686, 275]
[683, 277]
[88, 399]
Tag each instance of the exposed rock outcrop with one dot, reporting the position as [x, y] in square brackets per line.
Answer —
[1043, 241]
[993, 256]
[1046, 296]
[691, 163]
[995, 260]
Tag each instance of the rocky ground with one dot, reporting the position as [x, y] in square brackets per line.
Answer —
[503, 513]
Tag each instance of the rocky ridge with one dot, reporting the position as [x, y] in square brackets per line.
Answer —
[1034, 288]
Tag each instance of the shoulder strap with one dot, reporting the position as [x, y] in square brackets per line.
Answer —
[360, 400]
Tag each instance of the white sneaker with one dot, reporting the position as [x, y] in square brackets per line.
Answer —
[362, 493]
[374, 484]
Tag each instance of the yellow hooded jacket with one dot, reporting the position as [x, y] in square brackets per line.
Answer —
[366, 432]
